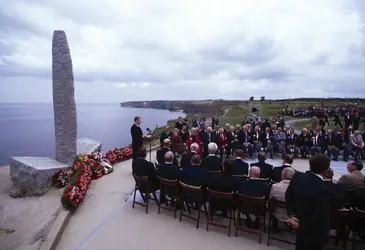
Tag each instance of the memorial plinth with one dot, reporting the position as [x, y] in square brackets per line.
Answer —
[87, 146]
[32, 175]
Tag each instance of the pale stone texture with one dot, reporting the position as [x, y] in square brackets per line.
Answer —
[64, 105]
[32, 175]
[87, 146]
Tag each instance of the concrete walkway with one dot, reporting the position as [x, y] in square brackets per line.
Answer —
[106, 221]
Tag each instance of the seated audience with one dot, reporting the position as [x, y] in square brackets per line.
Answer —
[304, 143]
[224, 182]
[169, 170]
[240, 167]
[194, 138]
[276, 172]
[160, 154]
[278, 192]
[355, 177]
[356, 145]
[330, 143]
[316, 143]
[177, 145]
[195, 175]
[256, 188]
[141, 167]
[186, 157]
[292, 143]
[265, 168]
[266, 139]
[212, 162]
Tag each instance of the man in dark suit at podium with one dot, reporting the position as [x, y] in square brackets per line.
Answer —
[137, 136]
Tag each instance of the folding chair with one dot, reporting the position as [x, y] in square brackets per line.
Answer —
[171, 188]
[228, 202]
[144, 187]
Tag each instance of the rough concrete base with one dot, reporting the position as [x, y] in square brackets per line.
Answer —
[87, 146]
[25, 222]
[32, 175]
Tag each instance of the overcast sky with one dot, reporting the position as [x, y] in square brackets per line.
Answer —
[166, 49]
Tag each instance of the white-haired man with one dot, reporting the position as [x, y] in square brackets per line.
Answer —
[212, 162]
[169, 170]
[278, 192]
[186, 157]
[160, 154]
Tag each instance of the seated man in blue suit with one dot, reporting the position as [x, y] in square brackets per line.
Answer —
[240, 167]
[169, 170]
[255, 188]
[195, 175]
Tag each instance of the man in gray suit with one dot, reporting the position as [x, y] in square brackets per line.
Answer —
[356, 144]
[355, 177]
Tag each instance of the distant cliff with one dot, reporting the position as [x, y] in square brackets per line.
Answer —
[188, 107]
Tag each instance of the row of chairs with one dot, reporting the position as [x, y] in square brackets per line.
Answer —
[192, 197]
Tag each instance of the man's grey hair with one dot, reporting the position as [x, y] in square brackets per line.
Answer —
[288, 173]
[212, 148]
[194, 147]
[166, 142]
[169, 156]
[195, 160]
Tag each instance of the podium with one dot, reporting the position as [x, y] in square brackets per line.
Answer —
[149, 139]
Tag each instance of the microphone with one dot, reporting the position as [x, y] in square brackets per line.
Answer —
[149, 131]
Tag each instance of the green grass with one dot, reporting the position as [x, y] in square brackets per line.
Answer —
[235, 115]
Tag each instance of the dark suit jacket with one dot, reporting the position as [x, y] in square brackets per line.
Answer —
[223, 182]
[263, 138]
[212, 163]
[137, 134]
[329, 140]
[165, 135]
[179, 125]
[170, 172]
[359, 198]
[290, 141]
[319, 141]
[254, 187]
[185, 159]
[266, 169]
[305, 140]
[240, 167]
[309, 199]
[195, 176]
[338, 194]
[205, 138]
[142, 167]
[160, 156]
[276, 173]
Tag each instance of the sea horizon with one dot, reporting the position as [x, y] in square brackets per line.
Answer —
[28, 128]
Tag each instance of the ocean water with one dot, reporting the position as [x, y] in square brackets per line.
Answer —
[28, 129]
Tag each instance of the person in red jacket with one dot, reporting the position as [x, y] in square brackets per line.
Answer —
[194, 138]
[222, 142]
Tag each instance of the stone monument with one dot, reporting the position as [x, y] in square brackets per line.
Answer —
[33, 175]
[65, 116]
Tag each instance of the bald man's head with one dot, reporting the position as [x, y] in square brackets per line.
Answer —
[255, 172]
